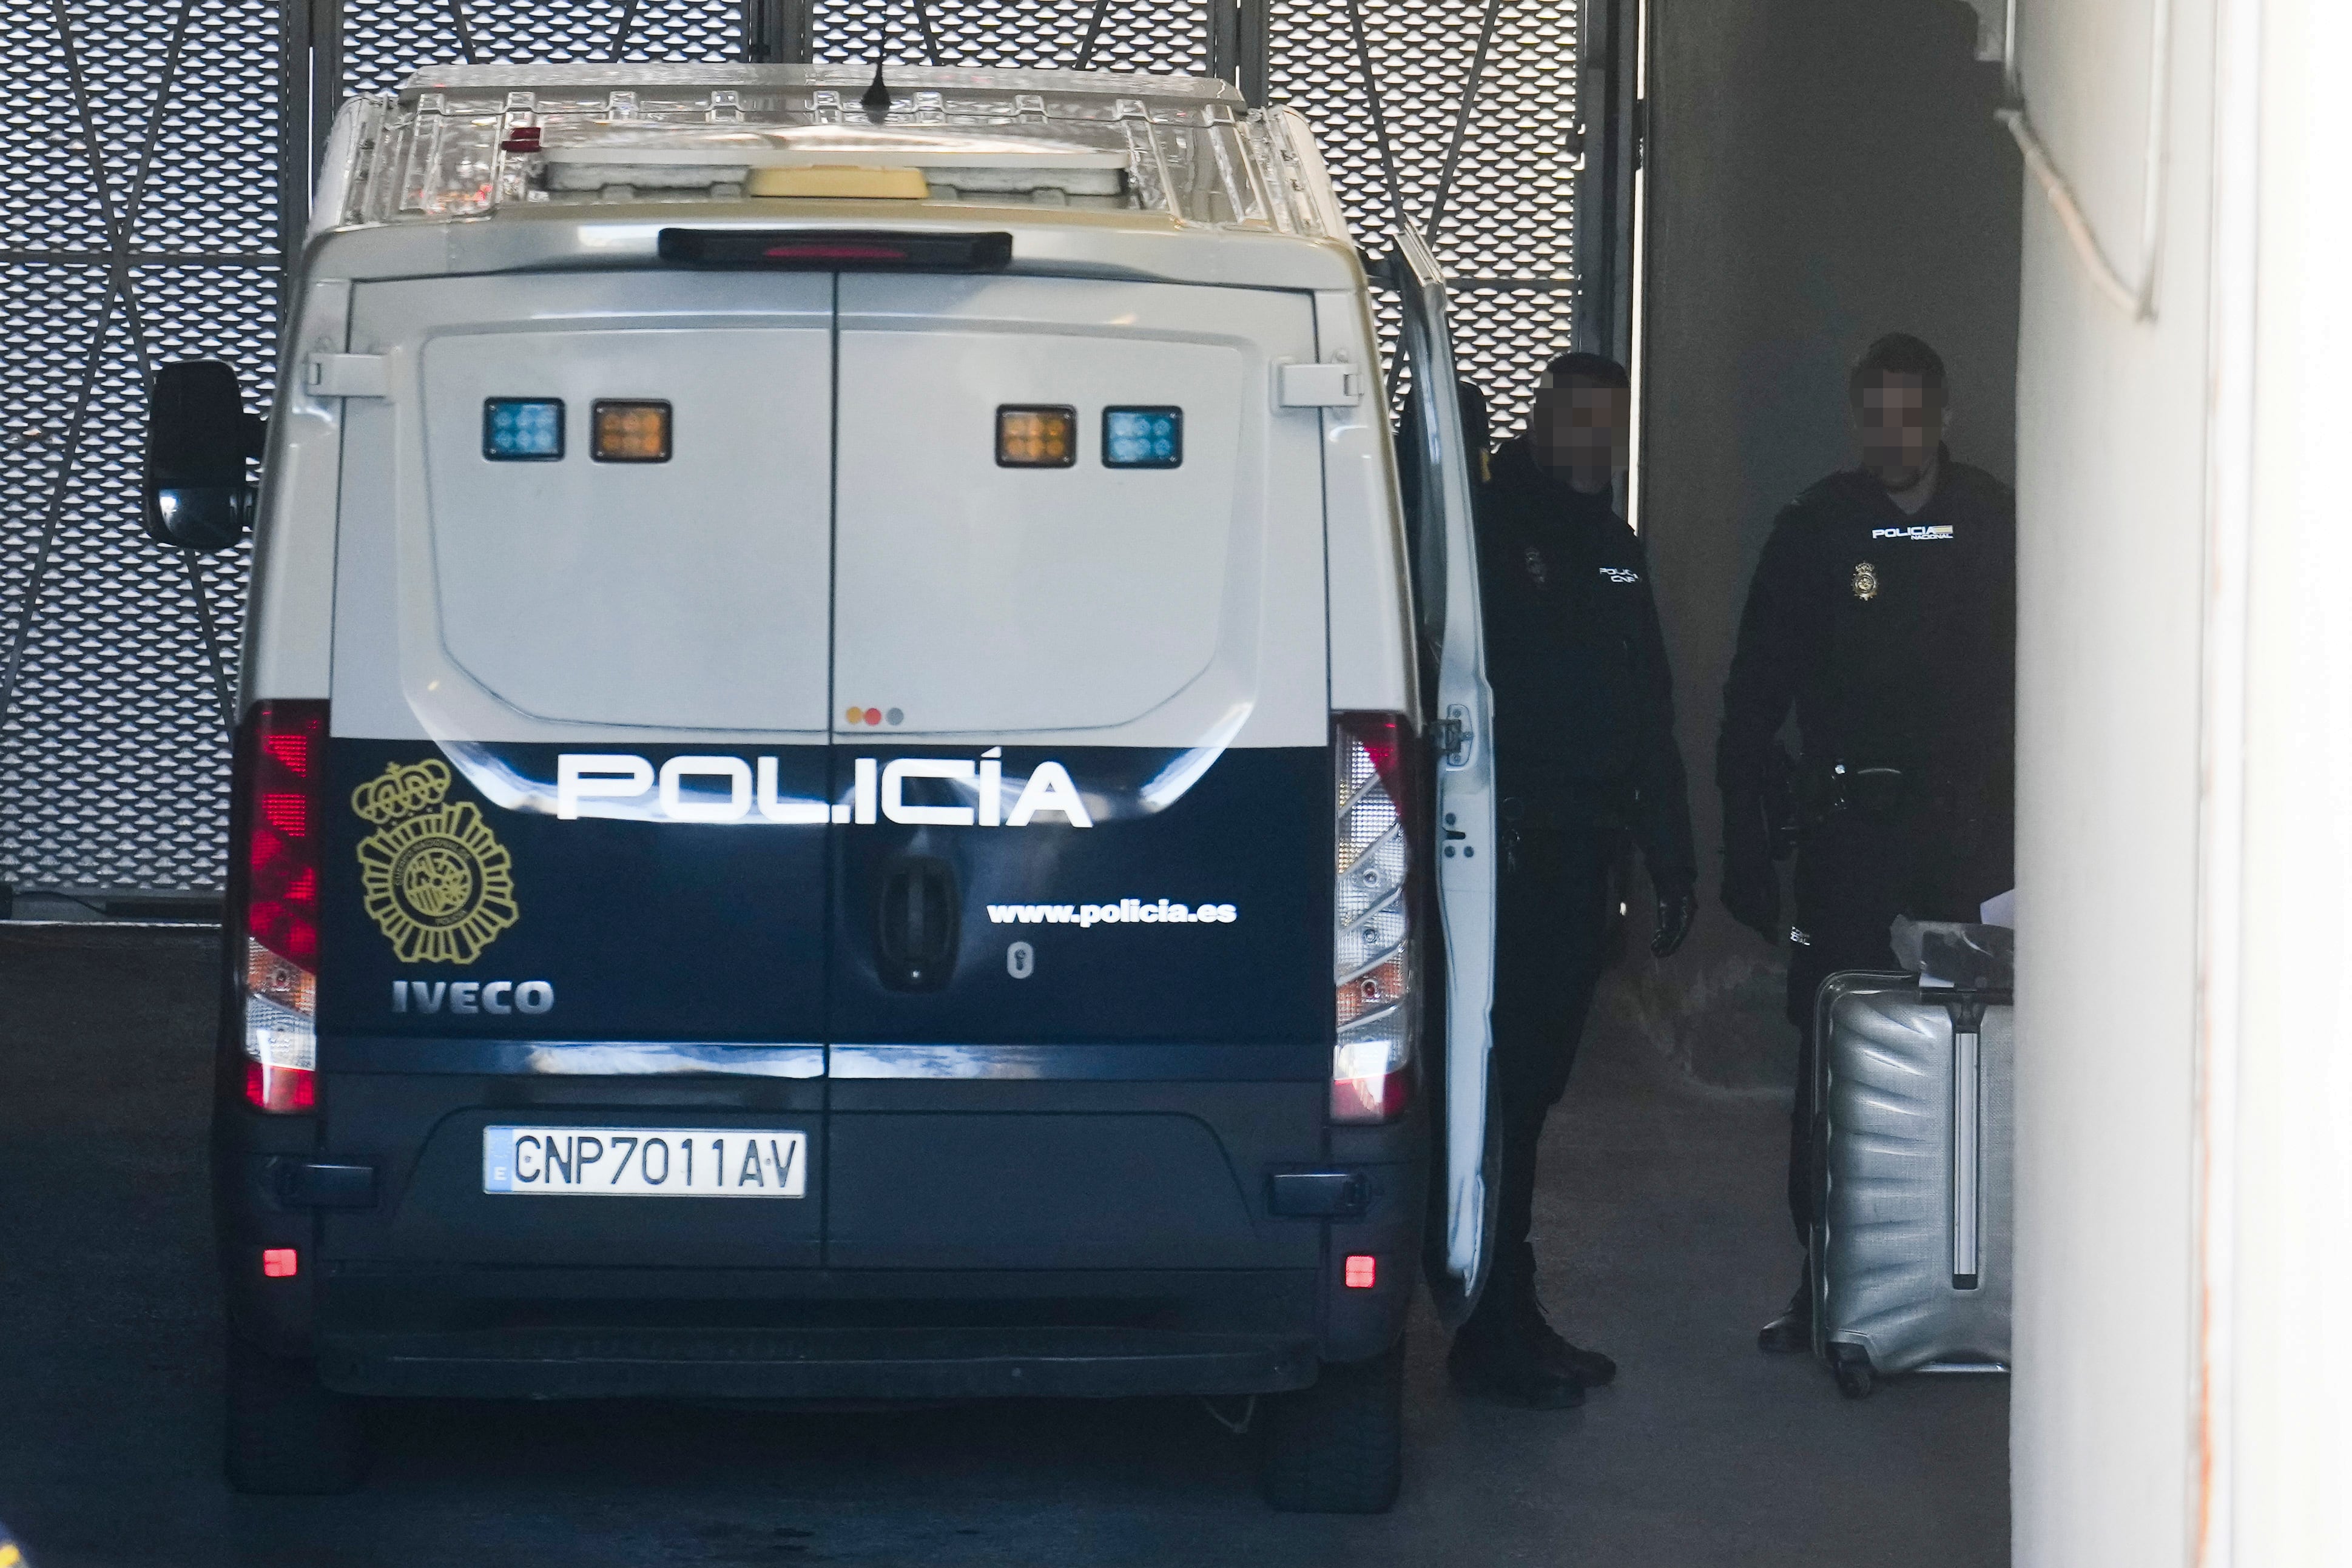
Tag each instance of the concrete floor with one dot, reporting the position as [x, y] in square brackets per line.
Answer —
[1666, 1242]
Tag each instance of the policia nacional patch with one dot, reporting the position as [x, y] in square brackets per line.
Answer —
[1865, 581]
[436, 881]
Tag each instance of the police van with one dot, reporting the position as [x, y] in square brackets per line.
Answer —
[855, 781]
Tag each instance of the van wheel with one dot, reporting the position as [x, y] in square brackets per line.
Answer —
[1337, 1447]
[1856, 1378]
[288, 1435]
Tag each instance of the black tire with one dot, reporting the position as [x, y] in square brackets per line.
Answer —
[1856, 1378]
[288, 1434]
[1337, 1447]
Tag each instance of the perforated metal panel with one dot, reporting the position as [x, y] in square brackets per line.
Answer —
[1457, 115]
[141, 223]
[384, 40]
[1094, 35]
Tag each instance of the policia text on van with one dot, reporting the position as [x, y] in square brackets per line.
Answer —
[1014, 860]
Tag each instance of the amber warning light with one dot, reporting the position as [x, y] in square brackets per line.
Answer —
[630, 431]
[1036, 437]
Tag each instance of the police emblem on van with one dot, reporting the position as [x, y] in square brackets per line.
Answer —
[435, 879]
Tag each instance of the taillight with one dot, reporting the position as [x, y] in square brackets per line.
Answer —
[282, 822]
[1372, 956]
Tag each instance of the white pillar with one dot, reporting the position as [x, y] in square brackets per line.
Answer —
[2185, 833]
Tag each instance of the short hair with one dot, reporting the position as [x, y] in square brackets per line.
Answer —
[1897, 354]
[1593, 369]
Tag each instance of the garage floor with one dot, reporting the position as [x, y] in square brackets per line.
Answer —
[1669, 1243]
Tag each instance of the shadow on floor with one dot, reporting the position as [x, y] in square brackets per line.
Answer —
[1664, 1236]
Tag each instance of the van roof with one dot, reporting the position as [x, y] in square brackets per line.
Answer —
[1083, 152]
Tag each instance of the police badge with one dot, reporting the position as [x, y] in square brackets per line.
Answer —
[436, 881]
[1865, 581]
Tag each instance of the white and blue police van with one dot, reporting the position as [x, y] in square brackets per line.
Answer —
[863, 765]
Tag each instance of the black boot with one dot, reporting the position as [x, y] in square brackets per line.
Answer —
[1793, 1331]
[1590, 1368]
[1494, 1355]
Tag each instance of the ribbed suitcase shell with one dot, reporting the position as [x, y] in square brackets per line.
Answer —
[1883, 1246]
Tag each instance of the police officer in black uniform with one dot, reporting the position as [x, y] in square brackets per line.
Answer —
[1884, 612]
[1585, 754]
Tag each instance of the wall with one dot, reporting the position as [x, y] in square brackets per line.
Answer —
[1820, 172]
[2185, 1138]
[2283, 1362]
[2112, 476]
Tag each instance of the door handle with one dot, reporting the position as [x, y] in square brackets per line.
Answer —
[1968, 1133]
[917, 921]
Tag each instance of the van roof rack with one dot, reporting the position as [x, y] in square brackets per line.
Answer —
[471, 141]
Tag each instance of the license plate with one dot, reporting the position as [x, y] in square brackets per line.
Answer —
[645, 1161]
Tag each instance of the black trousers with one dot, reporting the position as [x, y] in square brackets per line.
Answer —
[1551, 925]
[1854, 875]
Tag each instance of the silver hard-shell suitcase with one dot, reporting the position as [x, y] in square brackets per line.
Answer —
[1914, 1126]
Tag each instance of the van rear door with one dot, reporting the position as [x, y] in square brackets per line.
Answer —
[610, 943]
[1460, 1249]
[1081, 718]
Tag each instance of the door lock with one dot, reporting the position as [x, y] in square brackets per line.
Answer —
[1453, 736]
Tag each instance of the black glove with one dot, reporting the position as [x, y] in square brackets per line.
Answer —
[1752, 882]
[1676, 906]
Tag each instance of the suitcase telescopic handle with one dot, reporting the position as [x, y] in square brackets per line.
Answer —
[1968, 1010]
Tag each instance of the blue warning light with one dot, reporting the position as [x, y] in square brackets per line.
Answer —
[522, 429]
[1143, 437]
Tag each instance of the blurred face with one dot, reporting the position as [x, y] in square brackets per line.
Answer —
[1584, 428]
[1899, 423]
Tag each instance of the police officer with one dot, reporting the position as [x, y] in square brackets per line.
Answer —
[1885, 611]
[1585, 753]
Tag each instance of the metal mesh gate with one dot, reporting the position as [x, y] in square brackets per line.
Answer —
[141, 224]
[1458, 117]
[1073, 34]
[146, 222]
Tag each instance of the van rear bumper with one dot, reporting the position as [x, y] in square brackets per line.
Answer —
[813, 1363]
[815, 1334]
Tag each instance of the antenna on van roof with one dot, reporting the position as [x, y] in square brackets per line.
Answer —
[876, 101]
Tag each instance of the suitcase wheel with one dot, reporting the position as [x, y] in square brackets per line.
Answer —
[1855, 1377]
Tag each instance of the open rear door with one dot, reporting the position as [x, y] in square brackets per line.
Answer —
[1445, 587]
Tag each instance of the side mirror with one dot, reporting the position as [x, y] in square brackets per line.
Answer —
[199, 437]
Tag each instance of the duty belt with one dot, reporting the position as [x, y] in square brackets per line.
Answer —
[1876, 792]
